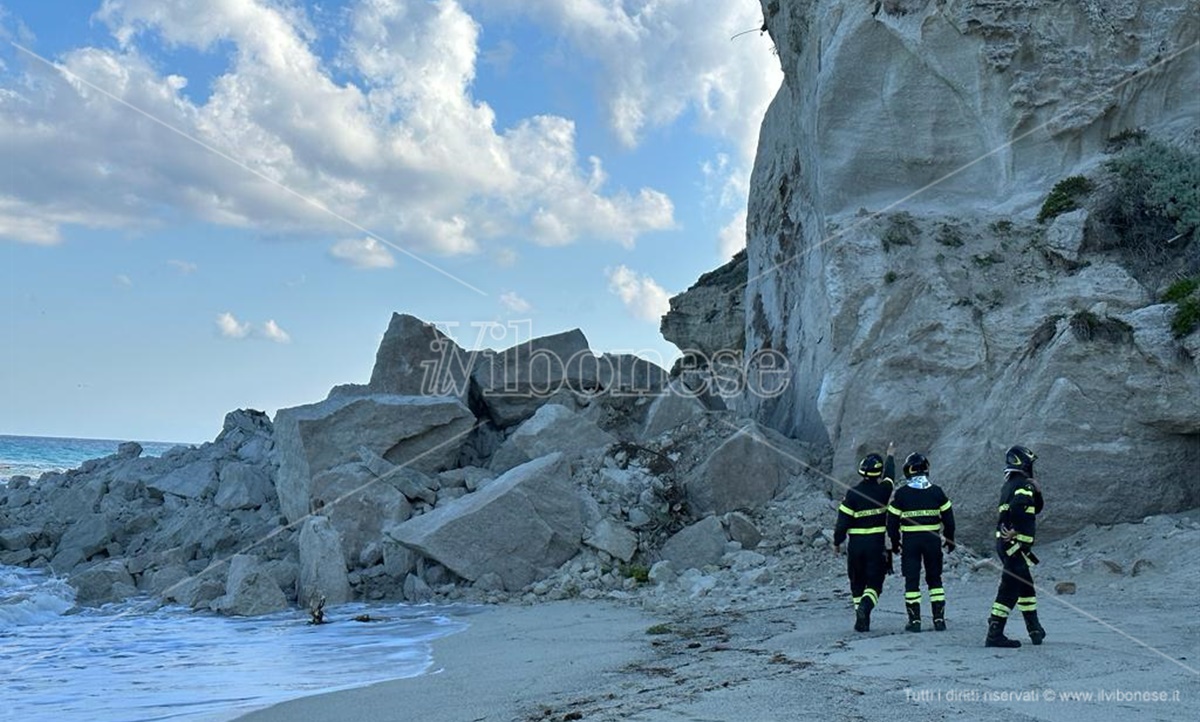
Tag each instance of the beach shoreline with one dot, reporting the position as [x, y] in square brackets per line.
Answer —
[508, 656]
[608, 660]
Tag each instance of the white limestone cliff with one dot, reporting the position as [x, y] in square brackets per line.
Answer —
[895, 259]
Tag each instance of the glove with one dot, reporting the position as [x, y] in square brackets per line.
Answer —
[949, 545]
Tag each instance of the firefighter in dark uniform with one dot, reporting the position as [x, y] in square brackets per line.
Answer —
[861, 517]
[919, 521]
[1020, 503]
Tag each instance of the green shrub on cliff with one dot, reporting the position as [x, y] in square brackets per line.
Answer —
[1184, 294]
[1181, 289]
[1125, 138]
[1064, 197]
[1158, 181]
[1186, 318]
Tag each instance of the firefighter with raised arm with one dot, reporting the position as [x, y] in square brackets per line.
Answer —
[861, 517]
[1020, 503]
[919, 521]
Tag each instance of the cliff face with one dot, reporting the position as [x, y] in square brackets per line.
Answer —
[893, 248]
[707, 318]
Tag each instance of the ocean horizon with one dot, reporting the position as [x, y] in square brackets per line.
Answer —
[32, 456]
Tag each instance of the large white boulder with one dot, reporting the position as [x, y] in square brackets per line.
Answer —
[196, 480]
[81, 541]
[514, 383]
[552, 428]
[415, 359]
[359, 505]
[103, 582]
[748, 469]
[696, 545]
[323, 574]
[424, 433]
[673, 407]
[243, 486]
[250, 590]
[613, 538]
[521, 526]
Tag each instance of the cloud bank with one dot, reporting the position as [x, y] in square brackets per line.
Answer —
[378, 127]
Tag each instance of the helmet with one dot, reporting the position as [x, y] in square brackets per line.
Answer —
[871, 466]
[1019, 458]
[915, 465]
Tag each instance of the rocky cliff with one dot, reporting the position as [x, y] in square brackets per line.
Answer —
[901, 250]
[706, 319]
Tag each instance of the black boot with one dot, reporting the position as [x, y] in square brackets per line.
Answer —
[862, 615]
[995, 634]
[914, 617]
[1036, 633]
[939, 616]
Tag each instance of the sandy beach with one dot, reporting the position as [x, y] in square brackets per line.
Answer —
[581, 660]
[510, 660]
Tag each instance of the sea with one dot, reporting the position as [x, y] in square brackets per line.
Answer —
[138, 661]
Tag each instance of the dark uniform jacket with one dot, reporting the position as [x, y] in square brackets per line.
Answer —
[920, 510]
[861, 513]
[1020, 503]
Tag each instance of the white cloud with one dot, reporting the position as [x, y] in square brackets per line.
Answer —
[17, 225]
[662, 60]
[185, 267]
[123, 281]
[272, 332]
[642, 296]
[230, 327]
[732, 237]
[397, 141]
[515, 303]
[363, 253]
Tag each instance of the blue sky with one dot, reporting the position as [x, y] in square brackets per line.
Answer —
[210, 206]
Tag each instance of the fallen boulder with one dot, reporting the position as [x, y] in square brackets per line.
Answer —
[359, 505]
[415, 359]
[746, 470]
[81, 541]
[697, 545]
[672, 408]
[515, 382]
[612, 538]
[521, 526]
[250, 590]
[197, 480]
[322, 566]
[422, 432]
[103, 582]
[243, 486]
[552, 428]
